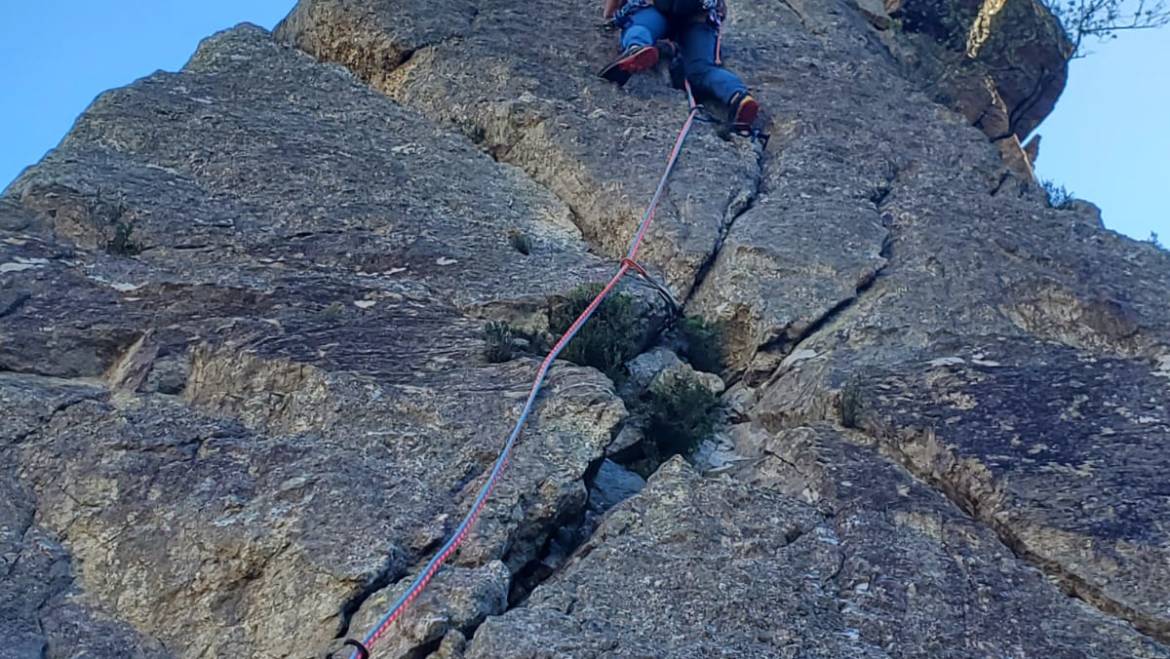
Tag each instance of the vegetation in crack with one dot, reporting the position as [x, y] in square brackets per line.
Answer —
[1057, 195]
[503, 342]
[520, 241]
[680, 414]
[608, 340]
[499, 340]
[705, 344]
[849, 404]
[109, 212]
[121, 244]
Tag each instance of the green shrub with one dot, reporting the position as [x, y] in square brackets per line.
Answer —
[1058, 197]
[704, 344]
[608, 340]
[850, 405]
[680, 413]
[500, 340]
[121, 244]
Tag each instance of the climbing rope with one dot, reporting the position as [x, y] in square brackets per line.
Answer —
[362, 650]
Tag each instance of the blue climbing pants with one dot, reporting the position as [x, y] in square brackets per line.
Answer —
[698, 40]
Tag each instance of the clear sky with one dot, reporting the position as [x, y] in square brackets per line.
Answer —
[1108, 140]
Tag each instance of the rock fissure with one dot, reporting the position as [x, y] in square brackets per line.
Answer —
[736, 208]
[46, 420]
[318, 251]
[964, 488]
[787, 345]
[389, 573]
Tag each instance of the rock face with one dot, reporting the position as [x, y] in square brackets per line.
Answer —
[1001, 63]
[246, 394]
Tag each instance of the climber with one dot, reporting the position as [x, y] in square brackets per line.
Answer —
[650, 30]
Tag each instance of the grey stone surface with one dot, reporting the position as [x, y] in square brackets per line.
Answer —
[520, 79]
[818, 549]
[1002, 65]
[44, 611]
[613, 484]
[307, 302]
[1062, 452]
[659, 367]
[245, 394]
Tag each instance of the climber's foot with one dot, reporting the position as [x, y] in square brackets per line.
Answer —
[744, 110]
[634, 59]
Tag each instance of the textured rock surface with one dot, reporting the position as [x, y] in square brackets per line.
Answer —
[309, 293]
[1058, 450]
[519, 79]
[1001, 64]
[245, 393]
[819, 550]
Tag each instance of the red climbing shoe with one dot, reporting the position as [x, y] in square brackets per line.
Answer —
[744, 110]
[633, 60]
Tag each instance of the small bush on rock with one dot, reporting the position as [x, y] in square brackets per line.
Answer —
[850, 405]
[1058, 196]
[704, 344]
[500, 342]
[608, 340]
[680, 413]
[121, 244]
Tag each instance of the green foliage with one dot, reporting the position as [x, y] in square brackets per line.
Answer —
[520, 242]
[121, 244]
[705, 350]
[1058, 197]
[608, 340]
[110, 209]
[500, 342]
[850, 405]
[680, 413]
[1154, 240]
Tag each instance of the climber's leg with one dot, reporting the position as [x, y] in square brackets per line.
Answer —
[643, 27]
[640, 30]
[700, 42]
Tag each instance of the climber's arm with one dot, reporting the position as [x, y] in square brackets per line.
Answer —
[611, 7]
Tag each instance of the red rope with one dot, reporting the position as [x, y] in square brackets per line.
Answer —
[627, 264]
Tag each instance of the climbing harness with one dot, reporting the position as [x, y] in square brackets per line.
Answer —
[628, 264]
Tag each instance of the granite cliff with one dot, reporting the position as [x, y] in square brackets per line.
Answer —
[245, 392]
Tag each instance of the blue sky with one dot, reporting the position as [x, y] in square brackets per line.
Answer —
[1108, 140]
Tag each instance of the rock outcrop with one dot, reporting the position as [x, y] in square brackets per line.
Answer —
[1001, 63]
[246, 392]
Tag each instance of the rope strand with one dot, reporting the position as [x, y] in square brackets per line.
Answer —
[628, 263]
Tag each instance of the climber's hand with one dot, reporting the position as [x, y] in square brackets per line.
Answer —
[611, 7]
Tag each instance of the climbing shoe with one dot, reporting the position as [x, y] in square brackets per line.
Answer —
[744, 110]
[634, 59]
